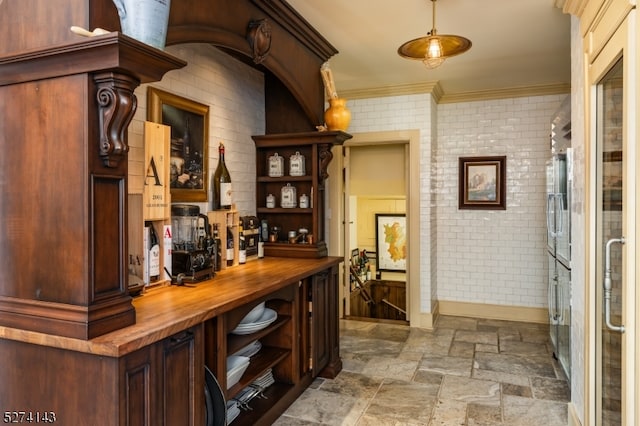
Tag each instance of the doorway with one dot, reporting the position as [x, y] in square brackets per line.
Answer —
[613, 239]
[339, 223]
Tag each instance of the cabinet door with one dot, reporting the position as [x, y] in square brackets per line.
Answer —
[325, 339]
[182, 377]
[138, 393]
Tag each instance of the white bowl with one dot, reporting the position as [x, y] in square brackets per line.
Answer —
[236, 366]
[254, 314]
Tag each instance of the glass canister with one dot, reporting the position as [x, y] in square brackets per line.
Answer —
[288, 197]
[296, 165]
[275, 165]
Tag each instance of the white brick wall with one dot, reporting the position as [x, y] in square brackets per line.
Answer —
[235, 95]
[494, 257]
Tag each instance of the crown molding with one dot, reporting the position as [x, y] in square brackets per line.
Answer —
[432, 87]
[511, 92]
[435, 89]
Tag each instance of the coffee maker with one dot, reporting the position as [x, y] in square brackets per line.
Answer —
[193, 252]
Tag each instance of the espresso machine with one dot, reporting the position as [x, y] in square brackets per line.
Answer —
[193, 252]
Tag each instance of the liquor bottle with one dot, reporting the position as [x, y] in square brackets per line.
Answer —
[221, 184]
[218, 248]
[230, 254]
[260, 246]
[242, 247]
[154, 254]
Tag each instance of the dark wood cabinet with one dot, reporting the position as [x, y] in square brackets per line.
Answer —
[316, 148]
[163, 384]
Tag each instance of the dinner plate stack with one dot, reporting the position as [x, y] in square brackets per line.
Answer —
[267, 317]
[233, 410]
[264, 381]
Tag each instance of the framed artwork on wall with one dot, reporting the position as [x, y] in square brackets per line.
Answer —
[391, 242]
[482, 183]
[189, 121]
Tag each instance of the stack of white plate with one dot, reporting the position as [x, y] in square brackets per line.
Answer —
[250, 350]
[264, 381]
[236, 366]
[268, 316]
[233, 410]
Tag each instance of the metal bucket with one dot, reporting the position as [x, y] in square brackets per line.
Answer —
[145, 20]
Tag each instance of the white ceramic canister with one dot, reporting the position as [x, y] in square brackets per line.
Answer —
[296, 165]
[288, 197]
[275, 165]
[271, 201]
[304, 201]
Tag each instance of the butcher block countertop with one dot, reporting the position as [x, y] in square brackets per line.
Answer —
[165, 311]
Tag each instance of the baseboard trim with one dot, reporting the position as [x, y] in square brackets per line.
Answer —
[573, 415]
[425, 320]
[498, 312]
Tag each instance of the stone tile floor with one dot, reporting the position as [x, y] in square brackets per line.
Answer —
[465, 372]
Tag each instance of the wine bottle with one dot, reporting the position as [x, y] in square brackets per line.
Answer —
[230, 254]
[242, 247]
[221, 184]
[154, 254]
[260, 246]
[218, 248]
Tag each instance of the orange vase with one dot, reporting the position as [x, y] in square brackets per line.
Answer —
[337, 116]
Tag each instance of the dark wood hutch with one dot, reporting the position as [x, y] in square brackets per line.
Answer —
[72, 340]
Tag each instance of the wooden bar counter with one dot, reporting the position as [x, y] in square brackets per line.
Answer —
[140, 374]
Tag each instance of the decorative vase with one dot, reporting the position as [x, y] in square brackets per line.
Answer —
[145, 20]
[337, 116]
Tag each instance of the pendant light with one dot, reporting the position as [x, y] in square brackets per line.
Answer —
[433, 49]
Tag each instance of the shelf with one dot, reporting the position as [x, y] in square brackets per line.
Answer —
[267, 179]
[235, 342]
[267, 358]
[260, 406]
[280, 210]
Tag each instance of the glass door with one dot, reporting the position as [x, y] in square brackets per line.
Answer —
[614, 242]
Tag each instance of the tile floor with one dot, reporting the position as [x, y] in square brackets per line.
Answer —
[466, 372]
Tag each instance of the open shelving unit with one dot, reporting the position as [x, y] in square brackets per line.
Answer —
[316, 147]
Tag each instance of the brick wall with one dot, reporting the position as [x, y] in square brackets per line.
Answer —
[493, 257]
[235, 95]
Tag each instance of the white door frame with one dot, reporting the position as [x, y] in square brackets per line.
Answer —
[338, 225]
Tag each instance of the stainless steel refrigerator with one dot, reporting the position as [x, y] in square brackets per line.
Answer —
[558, 214]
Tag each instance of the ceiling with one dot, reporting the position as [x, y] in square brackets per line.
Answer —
[516, 43]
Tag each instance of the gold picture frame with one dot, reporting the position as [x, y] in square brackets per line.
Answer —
[189, 122]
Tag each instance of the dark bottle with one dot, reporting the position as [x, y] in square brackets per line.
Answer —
[260, 246]
[242, 247]
[154, 254]
[218, 248]
[221, 184]
[230, 253]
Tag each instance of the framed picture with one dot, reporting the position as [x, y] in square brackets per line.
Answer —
[391, 242]
[482, 183]
[189, 123]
